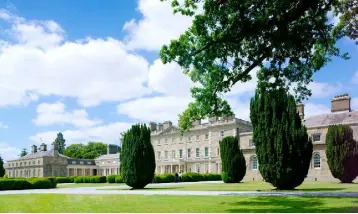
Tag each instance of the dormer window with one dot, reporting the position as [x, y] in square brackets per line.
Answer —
[316, 137]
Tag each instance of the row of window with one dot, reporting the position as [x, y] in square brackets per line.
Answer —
[189, 151]
[25, 163]
[81, 162]
[25, 173]
[189, 138]
[107, 162]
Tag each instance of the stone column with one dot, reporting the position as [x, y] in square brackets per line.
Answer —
[210, 151]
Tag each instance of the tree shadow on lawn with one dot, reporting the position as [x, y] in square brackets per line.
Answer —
[287, 205]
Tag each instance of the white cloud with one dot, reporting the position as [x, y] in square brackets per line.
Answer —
[8, 152]
[240, 108]
[312, 109]
[323, 89]
[168, 79]
[355, 78]
[241, 88]
[3, 126]
[54, 113]
[157, 27]
[40, 62]
[156, 109]
[106, 133]
[333, 19]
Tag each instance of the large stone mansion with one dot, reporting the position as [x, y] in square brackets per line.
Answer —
[47, 163]
[199, 151]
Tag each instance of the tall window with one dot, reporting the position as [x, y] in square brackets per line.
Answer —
[197, 137]
[180, 153]
[218, 151]
[159, 154]
[317, 161]
[254, 163]
[251, 143]
[165, 141]
[206, 136]
[166, 154]
[206, 151]
[189, 153]
[189, 139]
[159, 142]
[316, 137]
[222, 133]
[197, 152]
[173, 154]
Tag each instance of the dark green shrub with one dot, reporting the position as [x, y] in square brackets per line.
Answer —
[90, 179]
[232, 160]
[111, 178]
[72, 179]
[341, 152]
[137, 157]
[282, 146]
[164, 178]
[14, 184]
[53, 181]
[118, 179]
[41, 183]
[62, 180]
[192, 177]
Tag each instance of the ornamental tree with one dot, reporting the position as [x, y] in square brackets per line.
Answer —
[228, 39]
[342, 153]
[137, 157]
[61, 143]
[283, 148]
[233, 162]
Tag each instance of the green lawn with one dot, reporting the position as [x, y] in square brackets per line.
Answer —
[53, 203]
[87, 185]
[262, 186]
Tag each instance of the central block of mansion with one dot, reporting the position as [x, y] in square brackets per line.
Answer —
[198, 150]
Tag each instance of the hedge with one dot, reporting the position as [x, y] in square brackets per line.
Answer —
[31, 183]
[119, 179]
[186, 177]
[90, 179]
[111, 179]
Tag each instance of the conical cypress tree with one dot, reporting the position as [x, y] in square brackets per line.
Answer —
[341, 152]
[282, 146]
[232, 160]
[137, 157]
[2, 170]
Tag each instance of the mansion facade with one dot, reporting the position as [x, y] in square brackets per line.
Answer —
[198, 150]
[49, 163]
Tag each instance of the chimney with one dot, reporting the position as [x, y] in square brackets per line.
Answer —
[167, 124]
[33, 148]
[197, 123]
[153, 126]
[54, 149]
[160, 127]
[301, 110]
[341, 103]
[43, 147]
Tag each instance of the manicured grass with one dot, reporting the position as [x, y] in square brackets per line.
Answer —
[53, 203]
[254, 186]
[87, 185]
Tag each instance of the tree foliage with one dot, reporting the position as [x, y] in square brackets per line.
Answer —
[137, 157]
[90, 151]
[282, 146]
[61, 143]
[232, 160]
[228, 39]
[342, 153]
[2, 170]
[23, 152]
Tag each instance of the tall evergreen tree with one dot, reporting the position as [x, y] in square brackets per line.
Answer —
[283, 148]
[61, 143]
[137, 157]
[232, 160]
[2, 170]
[23, 152]
[342, 153]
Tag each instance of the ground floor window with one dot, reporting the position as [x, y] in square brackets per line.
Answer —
[254, 163]
[317, 161]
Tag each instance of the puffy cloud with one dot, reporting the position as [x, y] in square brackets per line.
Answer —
[54, 113]
[155, 108]
[157, 27]
[312, 109]
[323, 89]
[3, 126]
[106, 133]
[355, 78]
[8, 152]
[91, 70]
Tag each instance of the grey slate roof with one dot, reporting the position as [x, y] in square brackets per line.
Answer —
[110, 156]
[40, 154]
[332, 118]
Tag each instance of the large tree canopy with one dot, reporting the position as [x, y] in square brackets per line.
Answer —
[230, 38]
[90, 151]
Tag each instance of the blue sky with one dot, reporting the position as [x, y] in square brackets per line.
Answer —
[90, 70]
